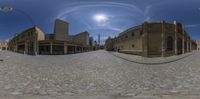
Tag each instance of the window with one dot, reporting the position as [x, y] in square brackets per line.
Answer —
[169, 43]
[141, 32]
[133, 34]
[185, 45]
[133, 45]
[126, 36]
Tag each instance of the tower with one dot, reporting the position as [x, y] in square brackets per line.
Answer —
[99, 37]
[61, 30]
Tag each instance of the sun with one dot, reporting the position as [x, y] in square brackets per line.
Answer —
[100, 18]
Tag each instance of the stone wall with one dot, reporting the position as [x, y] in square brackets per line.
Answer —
[159, 39]
[27, 41]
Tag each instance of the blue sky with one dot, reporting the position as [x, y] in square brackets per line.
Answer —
[107, 17]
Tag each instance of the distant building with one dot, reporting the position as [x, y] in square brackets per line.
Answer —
[99, 39]
[96, 46]
[152, 40]
[91, 41]
[3, 45]
[198, 45]
[61, 30]
[34, 41]
[49, 37]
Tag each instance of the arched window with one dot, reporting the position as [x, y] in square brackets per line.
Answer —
[179, 45]
[169, 43]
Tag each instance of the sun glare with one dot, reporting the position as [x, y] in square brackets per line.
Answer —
[100, 18]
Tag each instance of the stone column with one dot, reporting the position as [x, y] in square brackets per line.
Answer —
[16, 48]
[175, 38]
[82, 49]
[25, 47]
[145, 39]
[36, 45]
[190, 44]
[75, 50]
[183, 39]
[65, 49]
[51, 48]
[163, 47]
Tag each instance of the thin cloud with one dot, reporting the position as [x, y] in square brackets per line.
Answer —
[80, 5]
[192, 25]
[147, 9]
[147, 18]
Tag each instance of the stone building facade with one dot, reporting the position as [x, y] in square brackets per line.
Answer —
[198, 45]
[34, 41]
[27, 41]
[3, 45]
[159, 39]
[61, 30]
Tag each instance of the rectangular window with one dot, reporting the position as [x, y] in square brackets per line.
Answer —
[133, 45]
[141, 32]
[133, 34]
[126, 36]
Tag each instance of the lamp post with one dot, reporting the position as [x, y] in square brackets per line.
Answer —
[7, 9]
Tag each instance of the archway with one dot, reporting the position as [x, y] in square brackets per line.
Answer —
[169, 43]
[179, 46]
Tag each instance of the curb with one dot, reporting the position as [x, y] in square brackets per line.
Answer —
[146, 63]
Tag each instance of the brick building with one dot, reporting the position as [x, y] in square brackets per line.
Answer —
[152, 40]
[34, 41]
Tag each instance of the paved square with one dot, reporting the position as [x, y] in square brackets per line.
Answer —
[97, 73]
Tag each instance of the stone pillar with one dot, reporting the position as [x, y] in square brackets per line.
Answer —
[36, 45]
[190, 44]
[75, 50]
[163, 47]
[65, 49]
[16, 48]
[82, 50]
[145, 39]
[25, 47]
[51, 48]
[185, 44]
[175, 38]
[183, 39]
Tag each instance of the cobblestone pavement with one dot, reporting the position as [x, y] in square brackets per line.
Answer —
[97, 74]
